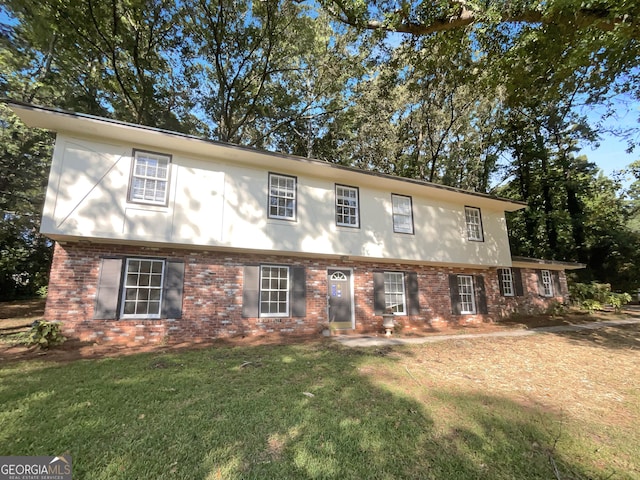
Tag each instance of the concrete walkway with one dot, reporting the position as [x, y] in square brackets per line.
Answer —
[373, 341]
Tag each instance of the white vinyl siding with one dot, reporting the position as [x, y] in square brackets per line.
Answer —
[142, 290]
[282, 197]
[467, 294]
[547, 284]
[347, 206]
[274, 291]
[394, 294]
[149, 178]
[474, 224]
[506, 278]
[402, 214]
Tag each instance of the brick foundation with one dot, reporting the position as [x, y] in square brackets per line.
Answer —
[212, 297]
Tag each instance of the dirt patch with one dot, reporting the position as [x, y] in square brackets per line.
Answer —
[21, 309]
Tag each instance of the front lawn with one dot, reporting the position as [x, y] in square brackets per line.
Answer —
[547, 406]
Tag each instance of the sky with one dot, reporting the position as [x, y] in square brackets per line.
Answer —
[611, 154]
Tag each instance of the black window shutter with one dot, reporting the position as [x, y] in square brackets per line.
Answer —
[172, 289]
[557, 291]
[413, 293]
[379, 303]
[500, 273]
[517, 281]
[481, 295]
[298, 292]
[251, 292]
[108, 293]
[455, 295]
[540, 283]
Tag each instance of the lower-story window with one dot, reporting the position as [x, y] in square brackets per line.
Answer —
[142, 289]
[547, 284]
[394, 292]
[274, 291]
[467, 295]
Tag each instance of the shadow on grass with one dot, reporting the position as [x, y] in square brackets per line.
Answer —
[265, 412]
[618, 337]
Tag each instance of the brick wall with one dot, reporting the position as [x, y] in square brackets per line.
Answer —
[212, 297]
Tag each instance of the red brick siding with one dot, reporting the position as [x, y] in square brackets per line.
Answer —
[212, 298]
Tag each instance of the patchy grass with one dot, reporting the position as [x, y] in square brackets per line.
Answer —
[498, 408]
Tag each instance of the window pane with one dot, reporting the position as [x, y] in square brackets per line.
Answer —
[143, 290]
[149, 178]
[274, 294]
[282, 194]
[465, 290]
[347, 206]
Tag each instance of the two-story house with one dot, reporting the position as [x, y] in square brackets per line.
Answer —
[161, 236]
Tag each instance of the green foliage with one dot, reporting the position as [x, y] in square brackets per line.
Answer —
[556, 308]
[593, 296]
[43, 291]
[479, 94]
[46, 334]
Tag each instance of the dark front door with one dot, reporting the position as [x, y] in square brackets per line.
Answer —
[340, 301]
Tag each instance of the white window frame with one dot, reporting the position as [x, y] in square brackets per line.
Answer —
[145, 177]
[547, 283]
[136, 283]
[467, 294]
[402, 212]
[473, 220]
[395, 296]
[347, 206]
[271, 294]
[506, 277]
[282, 196]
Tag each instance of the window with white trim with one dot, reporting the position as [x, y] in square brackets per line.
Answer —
[467, 294]
[402, 214]
[473, 219]
[394, 294]
[142, 289]
[149, 178]
[547, 284]
[282, 196]
[347, 214]
[274, 291]
[506, 277]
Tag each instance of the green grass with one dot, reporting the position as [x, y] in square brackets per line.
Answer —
[202, 415]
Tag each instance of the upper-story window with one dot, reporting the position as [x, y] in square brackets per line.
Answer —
[474, 224]
[149, 178]
[402, 214]
[282, 196]
[547, 285]
[347, 206]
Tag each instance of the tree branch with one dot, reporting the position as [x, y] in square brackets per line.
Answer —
[579, 18]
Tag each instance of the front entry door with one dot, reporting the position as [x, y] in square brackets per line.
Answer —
[340, 299]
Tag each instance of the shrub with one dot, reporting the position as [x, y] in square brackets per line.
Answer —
[592, 296]
[46, 334]
[43, 291]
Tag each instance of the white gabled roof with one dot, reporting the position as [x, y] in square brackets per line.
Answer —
[84, 125]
